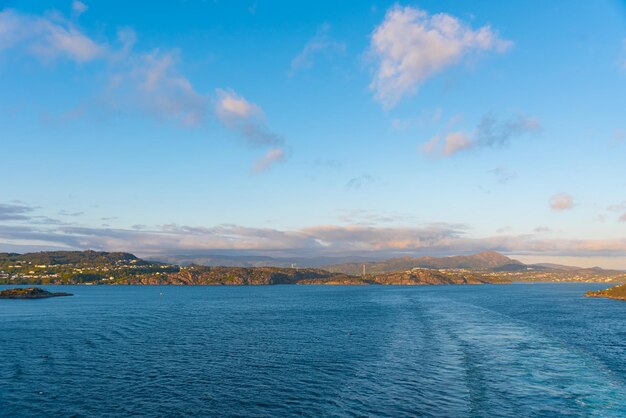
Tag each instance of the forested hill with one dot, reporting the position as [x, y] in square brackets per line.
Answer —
[88, 258]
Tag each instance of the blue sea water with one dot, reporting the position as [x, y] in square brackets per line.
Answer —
[491, 350]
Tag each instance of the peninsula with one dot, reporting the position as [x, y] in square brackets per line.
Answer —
[615, 292]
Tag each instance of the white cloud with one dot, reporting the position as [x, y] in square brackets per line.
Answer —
[321, 43]
[47, 38]
[271, 157]
[561, 201]
[410, 46]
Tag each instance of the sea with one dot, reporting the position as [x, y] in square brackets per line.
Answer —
[537, 350]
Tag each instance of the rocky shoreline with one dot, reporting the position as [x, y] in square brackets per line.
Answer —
[30, 293]
[616, 292]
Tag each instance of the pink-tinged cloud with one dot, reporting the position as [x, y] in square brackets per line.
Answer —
[271, 157]
[561, 201]
[490, 133]
[47, 38]
[455, 142]
[245, 117]
[248, 119]
[410, 46]
[310, 241]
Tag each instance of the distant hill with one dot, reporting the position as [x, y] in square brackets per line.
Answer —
[202, 275]
[252, 260]
[553, 266]
[488, 260]
[92, 258]
[93, 267]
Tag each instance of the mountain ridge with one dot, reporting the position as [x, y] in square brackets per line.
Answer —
[485, 260]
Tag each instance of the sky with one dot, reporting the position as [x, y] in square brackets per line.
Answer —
[315, 128]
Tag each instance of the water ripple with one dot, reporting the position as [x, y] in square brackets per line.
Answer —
[527, 350]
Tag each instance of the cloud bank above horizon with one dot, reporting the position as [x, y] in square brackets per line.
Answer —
[27, 231]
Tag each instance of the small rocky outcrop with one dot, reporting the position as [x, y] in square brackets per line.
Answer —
[616, 292]
[30, 293]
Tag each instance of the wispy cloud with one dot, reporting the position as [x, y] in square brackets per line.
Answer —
[561, 201]
[237, 113]
[320, 44]
[503, 175]
[620, 208]
[23, 213]
[153, 83]
[271, 157]
[71, 214]
[328, 163]
[410, 46]
[248, 119]
[47, 37]
[15, 212]
[369, 218]
[78, 7]
[357, 183]
[427, 118]
[491, 132]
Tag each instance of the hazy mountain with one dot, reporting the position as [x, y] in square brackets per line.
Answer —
[488, 260]
[253, 260]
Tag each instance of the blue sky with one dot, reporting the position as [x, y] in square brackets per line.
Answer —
[321, 128]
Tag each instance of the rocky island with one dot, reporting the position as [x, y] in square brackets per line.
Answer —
[615, 292]
[30, 293]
